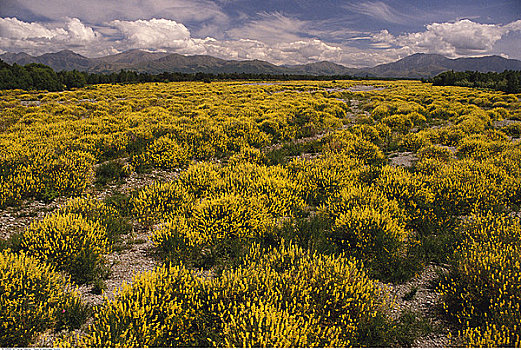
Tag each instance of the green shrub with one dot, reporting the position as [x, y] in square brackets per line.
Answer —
[112, 171]
[33, 299]
[70, 243]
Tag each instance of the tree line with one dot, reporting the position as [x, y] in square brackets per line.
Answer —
[509, 81]
[36, 76]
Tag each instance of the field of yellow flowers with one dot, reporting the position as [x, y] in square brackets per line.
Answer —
[288, 214]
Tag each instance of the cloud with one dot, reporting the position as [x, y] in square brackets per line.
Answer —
[78, 32]
[98, 11]
[157, 33]
[378, 10]
[270, 28]
[295, 52]
[14, 29]
[16, 35]
[452, 39]
[165, 35]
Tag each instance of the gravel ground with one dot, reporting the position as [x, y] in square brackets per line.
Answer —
[405, 159]
[418, 296]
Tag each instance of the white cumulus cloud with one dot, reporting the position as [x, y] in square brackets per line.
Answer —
[154, 32]
[77, 31]
[452, 39]
[12, 28]
[33, 38]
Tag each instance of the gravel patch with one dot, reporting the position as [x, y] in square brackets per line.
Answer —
[14, 220]
[403, 159]
[418, 296]
[364, 88]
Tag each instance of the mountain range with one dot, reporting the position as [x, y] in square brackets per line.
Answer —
[415, 66]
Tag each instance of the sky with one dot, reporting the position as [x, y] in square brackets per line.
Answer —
[355, 33]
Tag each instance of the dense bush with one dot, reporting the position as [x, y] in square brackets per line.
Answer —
[372, 235]
[34, 299]
[324, 177]
[165, 153]
[481, 290]
[263, 163]
[94, 210]
[70, 243]
[281, 298]
[217, 228]
[42, 175]
[112, 171]
[461, 187]
[412, 193]
[359, 148]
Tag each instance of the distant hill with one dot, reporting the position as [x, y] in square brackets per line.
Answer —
[414, 66]
[427, 65]
[20, 58]
[62, 60]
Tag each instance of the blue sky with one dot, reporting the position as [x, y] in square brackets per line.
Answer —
[353, 33]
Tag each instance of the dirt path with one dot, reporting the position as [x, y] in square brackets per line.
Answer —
[419, 297]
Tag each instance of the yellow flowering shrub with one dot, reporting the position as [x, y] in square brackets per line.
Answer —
[41, 175]
[358, 148]
[161, 201]
[280, 297]
[330, 298]
[68, 242]
[272, 185]
[323, 177]
[412, 193]
[481, 289]
[247, 154]
[33, 299]
[329, 189]
[216, 228]
[463, 186]
[92, 209]
[165, 153]
[435, 152]
[372, 235]
[483, 146]
[160, 308]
